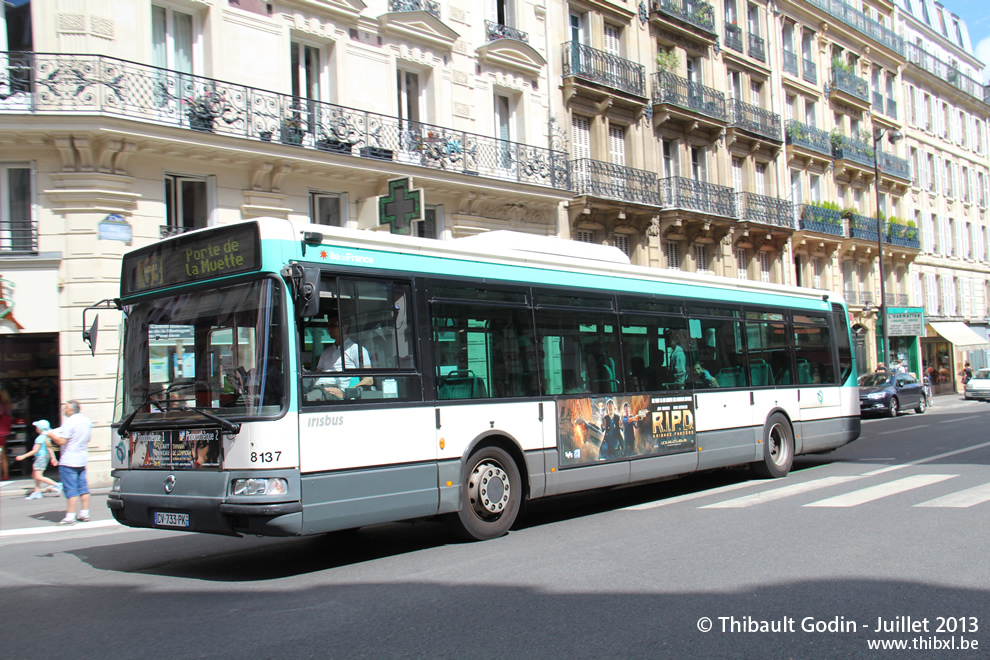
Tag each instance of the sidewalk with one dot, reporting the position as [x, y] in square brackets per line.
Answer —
[16, 513]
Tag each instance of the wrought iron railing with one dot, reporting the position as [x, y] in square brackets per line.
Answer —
[733, 37]
[851, 149]
[606, 69]
[18, 236]
[790, 62]
[861, 22]
[863, 227]
[757, 48]
[674, 90]
[754, 119]
[854, 297]
[850, 83]
[916, 55]
[430, 7]
[809, 70]
[809, 137]
[821, 220]
[765, 210]
[495, 31]
[695, 12]
[597, 178]
[891, 108]
[80, 84]
[894, 165]
[897, 234]
[682, 193]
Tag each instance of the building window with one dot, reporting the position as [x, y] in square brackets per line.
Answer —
[16, 227]
[431, 226]
[186, 203]
[326, 209]
[670, 250]
[701, 258]
[584, 236]
[764, 266]
[742, 264]
[621, 241]
[816, 267]
[172, 39]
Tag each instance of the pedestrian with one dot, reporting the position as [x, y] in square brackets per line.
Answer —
[881, 367]
[74, 436]
[6, 420]
[43, 454]
[966, 373]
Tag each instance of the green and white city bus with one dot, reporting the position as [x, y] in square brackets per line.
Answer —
[473, 377]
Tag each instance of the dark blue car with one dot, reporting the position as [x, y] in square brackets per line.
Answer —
[887, 393]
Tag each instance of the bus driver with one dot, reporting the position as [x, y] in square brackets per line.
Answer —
[344, 353]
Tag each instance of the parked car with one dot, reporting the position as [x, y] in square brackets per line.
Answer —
[978, 387]
[887, 393]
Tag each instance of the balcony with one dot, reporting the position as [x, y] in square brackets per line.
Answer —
[853, 150]
[603, 68]
[765, 210]
[431, 8]
[894, 166]
[18, 237]
[861, 23]
[66, 84]
[693, 12]
[790, 62]
[821, 220]
[863, 227]
[850, 83]
[809, 71]
[688, 194]
[755, 120]
[902, 235]
[946, 72]
[595, 178]
[494, 31]
[808, 137]
[733, 37]
[679, 92]
[757, 48]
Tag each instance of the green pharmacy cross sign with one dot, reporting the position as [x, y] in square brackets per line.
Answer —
[401, 206]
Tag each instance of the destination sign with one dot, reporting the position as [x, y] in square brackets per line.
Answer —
[190, 258]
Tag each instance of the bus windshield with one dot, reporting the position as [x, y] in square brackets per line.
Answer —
[220, 350]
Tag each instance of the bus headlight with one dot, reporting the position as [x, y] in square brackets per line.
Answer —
[259, 486]
[116, 485]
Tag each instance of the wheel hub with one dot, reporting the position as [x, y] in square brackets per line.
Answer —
[489, 488]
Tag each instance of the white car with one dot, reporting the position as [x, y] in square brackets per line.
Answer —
[978, 386]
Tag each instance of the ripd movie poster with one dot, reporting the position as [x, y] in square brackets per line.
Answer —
[607, 428]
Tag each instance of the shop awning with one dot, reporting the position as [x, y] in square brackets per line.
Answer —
[960, 334]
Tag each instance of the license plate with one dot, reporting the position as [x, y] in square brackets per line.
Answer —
[163, 519]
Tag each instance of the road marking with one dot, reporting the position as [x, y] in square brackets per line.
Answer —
[692, 496]
[962, 499]
[779, 493]
[30, 531]
[924, 460]
[864, 495]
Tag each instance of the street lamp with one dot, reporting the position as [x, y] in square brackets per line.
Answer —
[878, 134]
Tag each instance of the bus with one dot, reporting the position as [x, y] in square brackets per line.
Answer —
[279, 378]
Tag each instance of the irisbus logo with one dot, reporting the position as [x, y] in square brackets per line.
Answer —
[326, 420]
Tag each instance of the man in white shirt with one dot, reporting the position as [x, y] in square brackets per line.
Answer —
[73, 436]
[342, 354]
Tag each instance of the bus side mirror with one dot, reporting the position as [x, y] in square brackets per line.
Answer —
[305, 283]
[89, 336]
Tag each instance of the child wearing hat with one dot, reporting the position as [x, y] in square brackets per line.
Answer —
[42, 453]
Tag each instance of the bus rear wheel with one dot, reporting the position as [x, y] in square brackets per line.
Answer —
[491, 493]
[778, 448]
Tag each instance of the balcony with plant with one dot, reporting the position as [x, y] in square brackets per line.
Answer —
[822, 217]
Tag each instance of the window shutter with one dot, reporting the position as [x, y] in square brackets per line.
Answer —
[917, 292]
[957, 251]
[927, 238]
[964, 304]
[673, 258]
[581, 132]
[931, 294]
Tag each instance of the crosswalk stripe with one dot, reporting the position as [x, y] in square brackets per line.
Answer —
[962, 499]
[779, 493]
[692, 496]
[864, 495]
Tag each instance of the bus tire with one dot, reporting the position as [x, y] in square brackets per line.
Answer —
[778, 448]
[491, 494]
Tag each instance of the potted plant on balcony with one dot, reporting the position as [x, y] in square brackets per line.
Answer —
[292, 130]
[667, 61]
[203, 109]
[841, 65]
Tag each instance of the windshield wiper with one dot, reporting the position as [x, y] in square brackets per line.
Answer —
[126, 424]
[225, 424]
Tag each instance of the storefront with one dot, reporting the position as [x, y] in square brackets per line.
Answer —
[29, 377]
[944, 350]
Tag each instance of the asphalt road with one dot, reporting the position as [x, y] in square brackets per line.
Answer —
[881, 541]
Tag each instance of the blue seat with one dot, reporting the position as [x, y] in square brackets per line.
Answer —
[461, 384]
[759, 372]
[730, 377]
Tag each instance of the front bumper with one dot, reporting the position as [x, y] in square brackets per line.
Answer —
[874, 405]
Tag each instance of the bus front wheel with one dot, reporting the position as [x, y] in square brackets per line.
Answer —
[778, 448]
[491, 493]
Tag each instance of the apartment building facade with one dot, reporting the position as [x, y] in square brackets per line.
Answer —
[947, 138]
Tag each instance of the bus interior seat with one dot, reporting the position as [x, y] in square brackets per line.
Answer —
[730, 377]
[461, 384]
[760, 373]
[804, 371]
